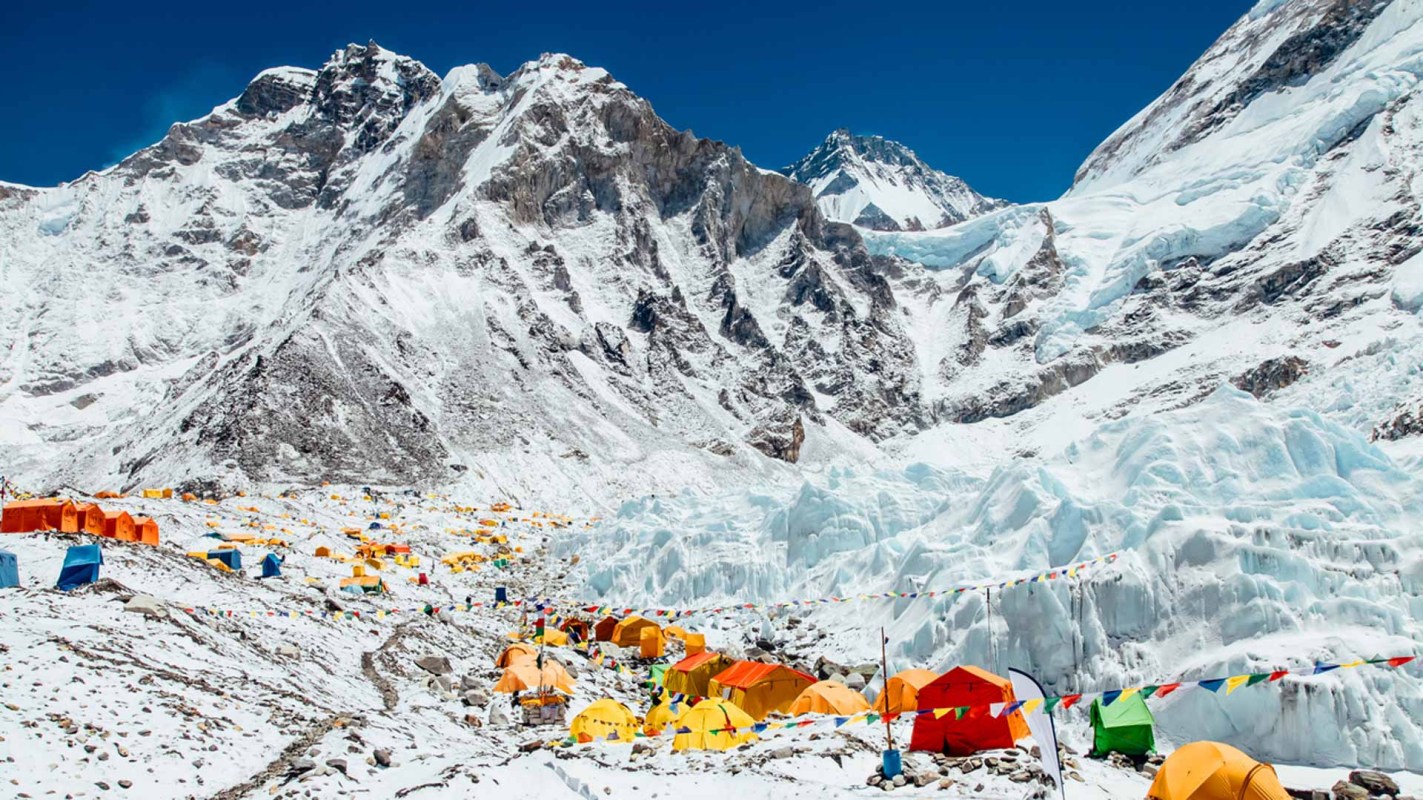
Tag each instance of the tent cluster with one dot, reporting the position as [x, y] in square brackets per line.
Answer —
[65, 516]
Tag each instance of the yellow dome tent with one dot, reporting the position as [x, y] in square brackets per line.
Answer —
[1214, 771]
[675, 632]
[604, 720]
[516, 653]
[713, 725]
[553, 637]
[525, 676]
[659, 717]
[829, 697]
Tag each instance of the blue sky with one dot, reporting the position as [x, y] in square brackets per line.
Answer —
[1010, 96]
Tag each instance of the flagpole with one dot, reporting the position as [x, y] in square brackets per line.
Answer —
[884, 691]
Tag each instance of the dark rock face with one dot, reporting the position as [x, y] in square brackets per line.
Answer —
[1271, 375]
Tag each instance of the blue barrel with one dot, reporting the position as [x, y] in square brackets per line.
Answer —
[892, 764]
[501, 595]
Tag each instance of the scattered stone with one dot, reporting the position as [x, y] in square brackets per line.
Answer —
[469, 682]
[946, 783]
[782, 752]
[1343, 790]
[288, 651]
[435, 665]
[476, 697]
[530, 747]
[303, 765]
[102, 785]
[126, 783]
[1021, 776]
[382, 757]
[146, 605]
[1076, 776]
[900, 780]
[1149, 769]
[338, 764]
[970, 765]
[473, 721]
[445, 683]
[1376, 783]
[874, 780]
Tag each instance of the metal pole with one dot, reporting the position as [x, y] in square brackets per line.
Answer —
[884, 692]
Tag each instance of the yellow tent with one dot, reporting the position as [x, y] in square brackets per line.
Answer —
[757, 688]
[604, 720]
[553, 637]
[696, 643]
[901, 692]
[713, 725]
[829, 697]
[675, 632]
[659, 717]
[691, 675]
[650, 642]
[516, 653]
[628, 633]
[525, 676]
[1214, 771]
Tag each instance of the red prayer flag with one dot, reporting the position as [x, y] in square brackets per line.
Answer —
[1277, 674]
[1400, 661]
[1070, 700]
[1167, 689]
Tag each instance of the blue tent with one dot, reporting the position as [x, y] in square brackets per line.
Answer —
[9, 570]
[271, 566]
[375, 526]
[81, 566]
[232, 558]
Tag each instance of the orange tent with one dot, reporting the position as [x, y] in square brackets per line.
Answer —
[829, 697]
[576, 627]
[516, 653]
[979, 729]
[146, 529]
[49, 514]
[91, 519]
[107, 495]
[603, 631]
[525, 676]
[691, 675]
[901, 692]
[119, 525]
[695, 643]
[628, 633]
[759, 689]
[1214, 771]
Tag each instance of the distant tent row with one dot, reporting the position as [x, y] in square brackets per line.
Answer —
[64, 516]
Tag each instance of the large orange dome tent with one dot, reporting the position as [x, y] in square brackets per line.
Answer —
[1214, 771]
[901, 692]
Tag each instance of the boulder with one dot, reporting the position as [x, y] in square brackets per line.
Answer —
[338, 764]
[288, 651]
[1376, 783]
[468, 682]
[855, 681]
[477, 698]
[382, 757]
[1343, 790]
[146, 605]
[435, 665]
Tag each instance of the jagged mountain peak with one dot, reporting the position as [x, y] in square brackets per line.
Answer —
[881, 184]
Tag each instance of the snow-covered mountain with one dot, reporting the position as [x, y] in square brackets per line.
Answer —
[369, 272]
[880, 184]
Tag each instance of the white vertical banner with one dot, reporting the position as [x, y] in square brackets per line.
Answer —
[1025, 688]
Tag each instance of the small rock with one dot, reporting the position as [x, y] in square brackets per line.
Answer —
[303, 765]
[126, 783]
[1021, 776]
[1076, 776]
[971, 765]
[1376, 783]
[1343, 790]
[382, 757]
[476, 697]
[473, 721]
[338, 764]
[530, 747]
[146, 605]
[946, 783]
[102, 785]
[445, 683]
[782, 752]
[1149, 769]
[900, 780]
[288, 651]
[855, 681]
[874, 780]
[435, 665]
[469, 682]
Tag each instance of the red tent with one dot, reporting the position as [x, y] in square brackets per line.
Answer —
[119, 525]
[978, 729]
[603, 631]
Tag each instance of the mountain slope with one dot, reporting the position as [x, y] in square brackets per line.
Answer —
[368, 271]
[880, 184]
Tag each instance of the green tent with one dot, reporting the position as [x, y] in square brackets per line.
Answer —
[656, 674]
[1124, 726]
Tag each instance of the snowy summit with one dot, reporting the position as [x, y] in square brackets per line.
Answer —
[879, 183]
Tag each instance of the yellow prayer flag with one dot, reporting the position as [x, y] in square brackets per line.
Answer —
[1127, 693]
[1235, 682]
[940, 713]
[1029, 706]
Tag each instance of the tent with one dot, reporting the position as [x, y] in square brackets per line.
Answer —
[691, 675]
[657, 674]
[1214, 771]
[577, 629]
[1125, 726]
[713, 725]
[363, 584]
[759, 689]
[651, 644]
[119, 525]
[91, 519]
[675, 632]
[9, 570]
[603, 631]
[628, 633]
[232, 558]
[516, 652]
[978, 729]
[604, 720]
[660, 716]
[271, 565]
[323, 552]
[829, 697]
[525, 676]
[901, 692]
[49, 514]
[146, 530]
[81, 566]
[696, 643]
